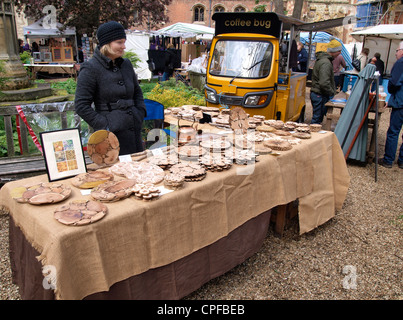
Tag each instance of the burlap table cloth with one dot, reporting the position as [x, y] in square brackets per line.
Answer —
[136, 236]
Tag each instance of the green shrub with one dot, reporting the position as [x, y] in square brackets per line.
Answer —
[175, 94]
[69, 85]
[133, 57]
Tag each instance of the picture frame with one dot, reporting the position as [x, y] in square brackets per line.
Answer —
[68, 54]
[57, 54]
[46, 56]
[37, 56]
[62, 54]
[63, 153]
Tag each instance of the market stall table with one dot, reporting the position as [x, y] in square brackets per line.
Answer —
[52, 68]
[169, 247]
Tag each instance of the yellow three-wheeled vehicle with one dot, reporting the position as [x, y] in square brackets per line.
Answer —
[249, 66]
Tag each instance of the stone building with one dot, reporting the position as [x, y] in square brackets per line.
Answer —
[371, 11]
[200, 11]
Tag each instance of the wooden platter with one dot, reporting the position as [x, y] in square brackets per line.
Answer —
[41, 193]
[80, 212]
[174, 180]
[215, 162]
[103, 147]
[91, 179]
[146, 191]
[191, 171]
[278, 144]
[114, 190]
[142, 172]
[238, 120]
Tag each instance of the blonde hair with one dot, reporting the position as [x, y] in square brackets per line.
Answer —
[106, 50]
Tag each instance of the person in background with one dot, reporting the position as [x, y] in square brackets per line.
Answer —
[363, 58]
[21, 45]
[302, 58]
[80, 55]
[26, 47]
[109, 82]
[169, 63]
[380, 66]
[35, 47]
[338, 62]
[395, 88]
[323, 88]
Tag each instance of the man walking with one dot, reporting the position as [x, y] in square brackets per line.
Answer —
[323, 87]
[395, 88]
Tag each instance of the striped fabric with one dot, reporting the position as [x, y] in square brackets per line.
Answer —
[325, 37]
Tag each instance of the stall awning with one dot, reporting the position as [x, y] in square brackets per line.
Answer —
[388, 31]
[38, 30]
[186, 30]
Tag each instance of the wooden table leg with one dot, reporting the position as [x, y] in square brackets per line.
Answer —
[329, 118]
[280, 219]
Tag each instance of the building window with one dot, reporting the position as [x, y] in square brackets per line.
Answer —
[219, 9]
[199, 13]
[240, 9]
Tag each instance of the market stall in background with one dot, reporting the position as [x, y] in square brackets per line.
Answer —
[54, 50]
[190, 44]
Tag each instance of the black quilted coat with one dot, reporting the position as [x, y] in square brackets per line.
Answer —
[117, 97]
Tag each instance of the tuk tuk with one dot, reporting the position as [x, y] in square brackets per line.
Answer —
[249, 66]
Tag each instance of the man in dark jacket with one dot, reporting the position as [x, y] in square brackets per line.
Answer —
[169, 64]
[323, 87]
[109, 81]
[395, 88]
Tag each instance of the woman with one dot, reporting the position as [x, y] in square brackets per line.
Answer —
[109, 81]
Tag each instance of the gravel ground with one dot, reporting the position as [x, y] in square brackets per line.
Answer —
[357, 255]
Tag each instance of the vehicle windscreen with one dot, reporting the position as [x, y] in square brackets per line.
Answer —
[241, 59]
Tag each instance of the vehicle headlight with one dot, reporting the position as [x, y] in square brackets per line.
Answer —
[256, 100]
[210, 95]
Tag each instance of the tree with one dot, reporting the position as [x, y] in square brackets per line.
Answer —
[86, 16]
[298, 9]
[278, 6]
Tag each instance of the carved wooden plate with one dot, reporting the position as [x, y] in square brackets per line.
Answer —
[238, 120]
[91, 179]
[302, 135]
[142, 172]
[80, 212]
[103, 147]
[190, 151]
[260, 148]
[315, 127]
[278, 144]
[41, 193]
[215, 162]
[114, 190]
[191, 171]
[146, 191]
[215, 144]
[174, 180]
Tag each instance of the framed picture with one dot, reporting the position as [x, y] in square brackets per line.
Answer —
[46, 56]
[63, 153]
[68, 54]
[37, 56]
[57, 54]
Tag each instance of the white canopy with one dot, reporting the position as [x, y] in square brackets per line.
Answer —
[38, 30]
[388, 31]
[186, 30]
[139, 43]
